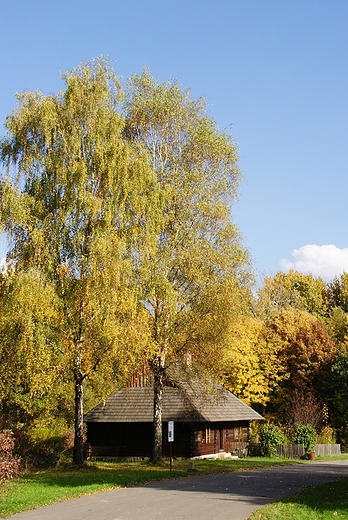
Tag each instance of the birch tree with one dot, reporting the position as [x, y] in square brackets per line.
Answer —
[199, 264]
[30, 358]
[81, 212]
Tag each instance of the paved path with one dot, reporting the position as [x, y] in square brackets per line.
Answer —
[232, 496]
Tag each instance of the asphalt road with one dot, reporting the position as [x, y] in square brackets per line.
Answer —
[232, 496]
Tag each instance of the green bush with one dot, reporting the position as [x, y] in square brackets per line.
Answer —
[306, 435]
[271, 436]
[44, 443]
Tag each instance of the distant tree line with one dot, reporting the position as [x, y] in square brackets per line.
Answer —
[288, 358]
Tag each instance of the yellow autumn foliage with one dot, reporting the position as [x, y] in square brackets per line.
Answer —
[250, 364]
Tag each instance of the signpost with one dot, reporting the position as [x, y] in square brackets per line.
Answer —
[170, 440]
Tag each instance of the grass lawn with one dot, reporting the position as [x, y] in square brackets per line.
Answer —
[324, 502]
[45, 487]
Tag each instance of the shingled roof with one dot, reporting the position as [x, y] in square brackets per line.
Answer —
[180, 404]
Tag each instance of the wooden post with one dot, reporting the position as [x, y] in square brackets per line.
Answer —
[170, 440]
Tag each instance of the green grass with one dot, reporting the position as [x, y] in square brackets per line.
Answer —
[324, 502]
[45, 487]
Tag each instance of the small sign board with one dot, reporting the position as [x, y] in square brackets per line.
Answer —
[170, 431]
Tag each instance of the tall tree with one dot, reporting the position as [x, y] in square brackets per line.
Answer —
[338, 395]
[251, 367]
[199, 264]
[337, 324]
[306, 353]
[82, 214]
[30, 358]
[292, 290]
[337, 292]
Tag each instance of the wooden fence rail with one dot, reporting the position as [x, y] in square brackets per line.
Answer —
[291, 451]
[328, 449]
[297, 451]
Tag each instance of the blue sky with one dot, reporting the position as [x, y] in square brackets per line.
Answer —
[275, 72]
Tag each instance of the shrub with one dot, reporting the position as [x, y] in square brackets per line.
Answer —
[326, 436]
[254, 432]
[10, 464]
[305, 408]
[44, 443]
[271, 436]
[306, 435]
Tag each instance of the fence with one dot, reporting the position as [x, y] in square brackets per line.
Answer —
[291, 451]
[328, 449]
[297, 451]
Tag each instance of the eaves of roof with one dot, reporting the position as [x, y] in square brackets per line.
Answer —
[136, 405]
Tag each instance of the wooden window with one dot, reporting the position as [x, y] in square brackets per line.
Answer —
[208, 436]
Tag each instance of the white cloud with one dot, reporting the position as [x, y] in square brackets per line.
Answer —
[324, 261]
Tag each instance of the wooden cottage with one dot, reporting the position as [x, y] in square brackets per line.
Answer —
[207, 421]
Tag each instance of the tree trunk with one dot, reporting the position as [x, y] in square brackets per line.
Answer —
[78, 439]
[158, 373]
